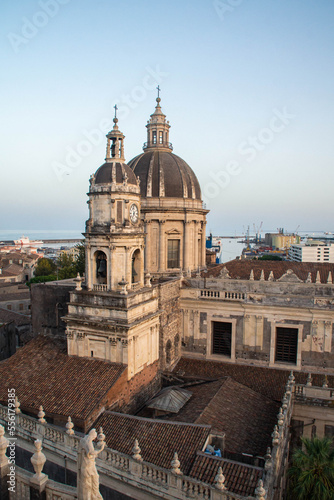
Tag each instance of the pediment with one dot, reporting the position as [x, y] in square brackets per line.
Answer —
[290, 277]
[173, 231]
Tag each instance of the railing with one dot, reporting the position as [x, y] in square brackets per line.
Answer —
[216, 294]
[112, 465]
[136, 286]
[162, 144]
[100, 288]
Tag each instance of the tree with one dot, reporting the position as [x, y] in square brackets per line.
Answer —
[270, 257]
[66, 266]
[44, 267]
[312, 470]
[80, 259]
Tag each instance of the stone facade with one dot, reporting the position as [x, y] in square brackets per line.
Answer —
[255, 310]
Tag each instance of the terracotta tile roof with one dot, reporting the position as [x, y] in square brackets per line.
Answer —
[269, 382]
[240, 479]
[201, 395]
[246, 417]
[24, 295]
[221, 404]
[18, 318]
[158, 440]
[43, 374]
[240, 269]
[11, 270]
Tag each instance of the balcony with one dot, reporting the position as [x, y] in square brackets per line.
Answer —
[100, 288]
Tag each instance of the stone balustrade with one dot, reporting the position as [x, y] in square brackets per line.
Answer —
[221, 295]
[112, 466]
[100, 288]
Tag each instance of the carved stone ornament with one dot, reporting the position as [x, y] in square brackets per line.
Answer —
[88, 478]
[290, 277]
[224, 273]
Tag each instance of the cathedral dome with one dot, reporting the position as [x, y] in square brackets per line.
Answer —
[114, 172]
[164, 174]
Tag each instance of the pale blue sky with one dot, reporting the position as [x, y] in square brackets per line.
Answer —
[228, 71]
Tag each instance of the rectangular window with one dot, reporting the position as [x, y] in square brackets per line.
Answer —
[221, 338]
[154, 137]
[329, 431]
[119, 212]
[160, 137]
[286, 345]
[173, 260]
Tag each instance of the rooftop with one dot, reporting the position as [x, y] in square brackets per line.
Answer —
[42, 373]
[239, 478]
[241, 269]
[158, 440]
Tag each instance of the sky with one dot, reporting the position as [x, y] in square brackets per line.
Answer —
[246, 85]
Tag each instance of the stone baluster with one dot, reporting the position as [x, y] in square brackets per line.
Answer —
[69, 427]
[325, 384]
[280, 418]
[291, 378]
[41, 415]
[309, 380]
[285, 402]
[275, 436]
[260, 492]
[220, 480]
[268, 460]
[17, 406]
[136, 451]
[78, 281]
[39, 480]
[175, 463]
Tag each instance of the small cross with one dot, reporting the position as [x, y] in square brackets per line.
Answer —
[116, 108]
[158, 89]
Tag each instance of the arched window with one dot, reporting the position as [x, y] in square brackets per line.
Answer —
[168, 352]
[176, 345]
[136, 258]
[101, 267]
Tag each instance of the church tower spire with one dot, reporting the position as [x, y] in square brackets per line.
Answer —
[158, 130]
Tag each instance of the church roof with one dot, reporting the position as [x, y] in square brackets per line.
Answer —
[157, 439]
[42, 373]
[164, 174]
[241, 269]
[240, 479]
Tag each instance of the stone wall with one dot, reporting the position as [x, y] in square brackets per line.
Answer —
[170, 323]
[7, 340]
[49, 305]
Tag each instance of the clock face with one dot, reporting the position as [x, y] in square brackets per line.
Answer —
[133, 213]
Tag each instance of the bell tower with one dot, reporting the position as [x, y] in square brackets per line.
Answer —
[114, 231]
[114, 315]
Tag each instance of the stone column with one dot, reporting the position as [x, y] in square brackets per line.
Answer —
[162, 264]
[186, 246]
[196, 261]
[147, 243]
[203, 244]
[88, 267]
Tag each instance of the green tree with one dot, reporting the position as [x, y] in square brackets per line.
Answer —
[80, 258]
[42, 279]
[312, 471]
[65, 266]
[270, 257]
[44, 267]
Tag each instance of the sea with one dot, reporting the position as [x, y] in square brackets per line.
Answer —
[231, 247]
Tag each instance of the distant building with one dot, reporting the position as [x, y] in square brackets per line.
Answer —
[311, 252]
[281, 240]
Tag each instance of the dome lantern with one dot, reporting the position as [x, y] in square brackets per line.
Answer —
[158, 130]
